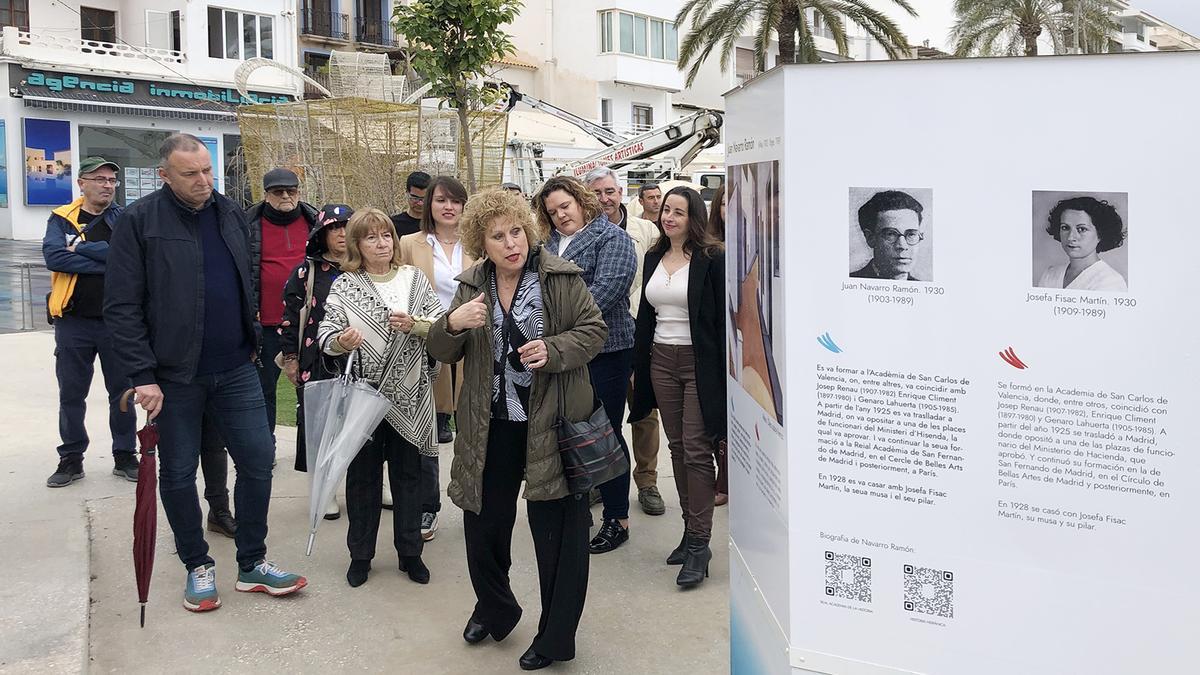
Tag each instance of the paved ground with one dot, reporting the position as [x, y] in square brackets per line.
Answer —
[24, 283]
[69, 600]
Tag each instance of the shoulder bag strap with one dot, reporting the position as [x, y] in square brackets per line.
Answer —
[304, 309]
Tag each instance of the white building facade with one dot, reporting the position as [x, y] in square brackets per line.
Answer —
[114, 78]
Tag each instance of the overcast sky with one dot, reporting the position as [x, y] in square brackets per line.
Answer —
[936, 17]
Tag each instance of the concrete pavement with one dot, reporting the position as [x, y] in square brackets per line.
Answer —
[70, 604]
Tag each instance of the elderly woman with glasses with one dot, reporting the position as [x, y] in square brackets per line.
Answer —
[383, 309]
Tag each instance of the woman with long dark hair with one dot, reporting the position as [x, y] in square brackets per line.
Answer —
[437, 251]
[680, 364]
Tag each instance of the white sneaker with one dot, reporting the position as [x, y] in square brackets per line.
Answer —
[429, 524]
[387, 490]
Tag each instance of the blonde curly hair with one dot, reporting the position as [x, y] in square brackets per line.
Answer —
[484, 208]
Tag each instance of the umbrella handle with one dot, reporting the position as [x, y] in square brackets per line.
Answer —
[349, 361]
[311, 537]
[124, 402]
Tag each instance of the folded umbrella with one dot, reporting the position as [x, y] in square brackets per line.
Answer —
[145, 510]
[340, 415]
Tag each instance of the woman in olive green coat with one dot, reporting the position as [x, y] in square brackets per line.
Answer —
[550, 328]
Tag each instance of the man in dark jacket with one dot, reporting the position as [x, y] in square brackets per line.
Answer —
[76, 250]
[279, 227]
[178, 301]
[409, 220]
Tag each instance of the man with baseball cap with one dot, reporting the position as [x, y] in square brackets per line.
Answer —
[76, 251]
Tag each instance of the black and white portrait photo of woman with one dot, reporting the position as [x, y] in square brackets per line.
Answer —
[1083, 226]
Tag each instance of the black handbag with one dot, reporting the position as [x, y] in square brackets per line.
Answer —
[590, 450]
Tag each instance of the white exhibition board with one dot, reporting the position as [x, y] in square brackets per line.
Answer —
[978, 471]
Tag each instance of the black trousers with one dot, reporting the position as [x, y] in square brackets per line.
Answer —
[364, 494]
[214, 464]
[560, 542]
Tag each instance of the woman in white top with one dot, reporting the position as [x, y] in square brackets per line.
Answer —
[679, 368]
[1086, 227]
[384, 310]
[438, 252]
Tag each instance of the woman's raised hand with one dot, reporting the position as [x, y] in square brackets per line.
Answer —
[469, 315]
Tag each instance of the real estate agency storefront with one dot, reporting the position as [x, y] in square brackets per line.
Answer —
[54, 118]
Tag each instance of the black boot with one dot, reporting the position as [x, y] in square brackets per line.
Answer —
[220, 519]
[695, 565]
[443, 424]
[417, 571]
[680, 553]
[357, 574]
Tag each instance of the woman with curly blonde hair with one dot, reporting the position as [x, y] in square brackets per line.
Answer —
[525, 327]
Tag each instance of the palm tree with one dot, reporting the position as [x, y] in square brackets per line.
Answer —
[1011, 27]
[720, 27]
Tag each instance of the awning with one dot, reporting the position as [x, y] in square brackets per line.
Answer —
[154, 111]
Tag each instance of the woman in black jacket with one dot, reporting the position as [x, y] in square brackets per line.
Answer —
[679, 344]
[302, 361]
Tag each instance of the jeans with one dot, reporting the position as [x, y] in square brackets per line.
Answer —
[269, 373]
[77, 342]
[610, 379]
[234, 400]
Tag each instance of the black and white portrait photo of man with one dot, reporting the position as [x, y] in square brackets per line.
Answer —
[895, 226]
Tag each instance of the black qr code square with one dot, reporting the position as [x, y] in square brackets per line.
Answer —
[847, 576]
[929, 591]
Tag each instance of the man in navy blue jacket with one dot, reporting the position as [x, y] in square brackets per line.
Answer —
[76, 251]
[179, 303]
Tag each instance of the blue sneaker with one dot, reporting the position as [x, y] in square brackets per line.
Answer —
[201, 592]
[265, 577]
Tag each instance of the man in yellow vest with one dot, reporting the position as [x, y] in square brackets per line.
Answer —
[76, 249]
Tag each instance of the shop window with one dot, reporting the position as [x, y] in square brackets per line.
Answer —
[135, 150]
[240, 35]
[15, 13]
[162, 30]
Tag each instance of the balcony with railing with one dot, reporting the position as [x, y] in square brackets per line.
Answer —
[378, 32]
[66, 50]
[324, 24]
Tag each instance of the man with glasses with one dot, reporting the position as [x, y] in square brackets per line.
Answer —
[279, 227]
[891, 223]
[76, 251]
[409, 220]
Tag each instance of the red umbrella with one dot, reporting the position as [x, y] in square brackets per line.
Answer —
[145, 510]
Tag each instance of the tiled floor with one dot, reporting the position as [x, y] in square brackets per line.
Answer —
[24, 283]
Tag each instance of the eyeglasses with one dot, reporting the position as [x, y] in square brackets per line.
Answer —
[104, 181]
[890, 235]
[282, 192]
[416, 199]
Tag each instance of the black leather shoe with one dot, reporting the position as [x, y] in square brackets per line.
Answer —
[443, 425]
[680, 553]
[531, 660]
[610, 536]
[695, 565]
[221, 521]
[417, 571]
[475, 632]
[357, 574]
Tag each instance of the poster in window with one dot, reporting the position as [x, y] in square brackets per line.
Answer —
[47, 162]
[3, 165]
[211, 144]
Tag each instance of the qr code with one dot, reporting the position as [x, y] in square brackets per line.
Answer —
[847, 576]
[929, 591]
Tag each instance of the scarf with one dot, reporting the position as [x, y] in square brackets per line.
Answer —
[281, 217]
